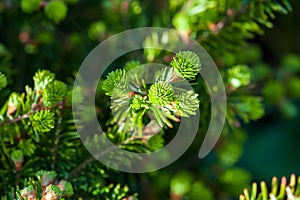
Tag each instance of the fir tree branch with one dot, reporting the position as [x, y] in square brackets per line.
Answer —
[81, 167]
[17, 119]
[92, 158]
[227, 22]
[57, 138]
[18, 177]
[26, 115]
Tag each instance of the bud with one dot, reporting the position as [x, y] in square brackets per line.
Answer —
[18, 158]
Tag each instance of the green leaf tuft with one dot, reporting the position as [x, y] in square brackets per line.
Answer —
[46, 177]
[131, 64]
[54, 92]
[66, 187]
[17, 156]
[42, 121]
[186, 64]
[161, 94]
[239, 75]
[53, 190]
[114, 82]
[42, 78]
[139, 102]
[187, 103]
[28, 192]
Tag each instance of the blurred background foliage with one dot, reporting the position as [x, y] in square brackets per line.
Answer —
[255, 44]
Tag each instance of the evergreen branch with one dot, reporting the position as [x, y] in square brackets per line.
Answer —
[84, 164]
[17, 119]
[26, 115]
[229, 20]
[57, 139]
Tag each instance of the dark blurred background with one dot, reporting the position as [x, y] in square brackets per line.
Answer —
[272, 148]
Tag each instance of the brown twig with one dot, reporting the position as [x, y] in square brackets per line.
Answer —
[57, 138]
[19, 118]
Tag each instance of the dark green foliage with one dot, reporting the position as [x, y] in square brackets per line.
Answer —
[293, 86]
[185, 185]
[280, 87]
[273, 91]
[40, 135]
[249, 108]
[230, 181]
[37, 132]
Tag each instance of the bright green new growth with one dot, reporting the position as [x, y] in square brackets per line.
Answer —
[45, 188]
[239, 75]
[54, 93]
[115, 80]
[56, 10]
[54, 190]
[66, 187]
[187, 103]
[28, 192]
[161, 94]
[17, 156]
[186, 64]
[139, 102]
[133, 99]
[278, 191]
[42, 78]
[46, 177]
[29, 6]
[42, 121]
[131, 64]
